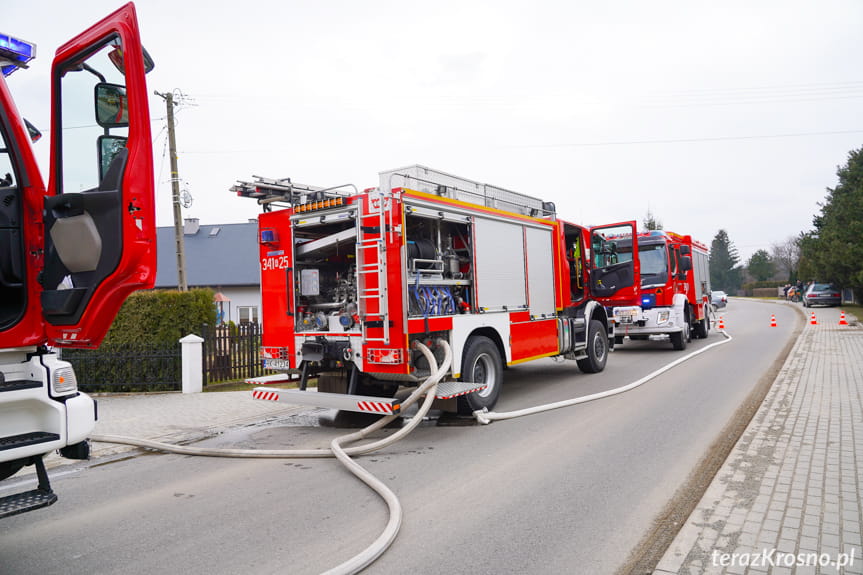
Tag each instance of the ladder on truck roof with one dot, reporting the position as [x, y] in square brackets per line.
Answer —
[435, 182]
[270, 191]
[372, 263]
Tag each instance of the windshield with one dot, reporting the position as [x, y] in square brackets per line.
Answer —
[654, 264]
[822, 287]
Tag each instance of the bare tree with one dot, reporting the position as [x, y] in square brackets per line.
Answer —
[786, 257]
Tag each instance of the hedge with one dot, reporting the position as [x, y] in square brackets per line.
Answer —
[141, 351]
[763, 284]
[162, 317]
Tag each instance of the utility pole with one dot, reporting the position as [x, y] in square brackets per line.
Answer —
[175, 187]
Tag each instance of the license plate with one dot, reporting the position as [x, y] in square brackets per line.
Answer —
[277, 364]
[626, 315]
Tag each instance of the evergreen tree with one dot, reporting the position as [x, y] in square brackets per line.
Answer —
[725, 274]
[651, 223]
[833, 251]
[761, 266]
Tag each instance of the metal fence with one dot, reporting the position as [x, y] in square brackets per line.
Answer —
[231, 352]
[130, 367]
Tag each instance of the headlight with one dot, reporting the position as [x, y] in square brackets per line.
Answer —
[64, 381]
[663, 317]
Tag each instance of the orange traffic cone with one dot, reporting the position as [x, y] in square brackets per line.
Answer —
[842, 320]
[813, 320]
[721, 323]
[772, 320]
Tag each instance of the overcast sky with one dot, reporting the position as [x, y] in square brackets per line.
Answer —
[731, 114]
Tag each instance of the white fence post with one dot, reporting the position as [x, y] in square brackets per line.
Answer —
[193, 363]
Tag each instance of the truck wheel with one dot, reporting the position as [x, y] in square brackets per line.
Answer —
[597, 348]
[481, 364]
[681, 338]
[702, 328]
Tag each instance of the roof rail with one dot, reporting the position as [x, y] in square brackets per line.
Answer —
[428, 180]
[283, 191]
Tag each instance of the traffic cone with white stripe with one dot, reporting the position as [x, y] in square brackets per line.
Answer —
[721, 323]
[772, 320]
[813, 320]
[842, 320]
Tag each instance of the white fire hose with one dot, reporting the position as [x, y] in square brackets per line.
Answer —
[485, 417]
[385, 539]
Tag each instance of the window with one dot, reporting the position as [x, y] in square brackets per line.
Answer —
[86, 132]
[248, 314]
[12, 290]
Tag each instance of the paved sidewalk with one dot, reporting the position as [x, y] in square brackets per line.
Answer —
[788, 498]
[176, 417]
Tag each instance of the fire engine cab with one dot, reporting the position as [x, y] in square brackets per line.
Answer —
[673, 295]
[71, 251]
[350, 280]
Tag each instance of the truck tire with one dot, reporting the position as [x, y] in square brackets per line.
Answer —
[481, 363]
[597, 348]
[682, 337]
[702, 328]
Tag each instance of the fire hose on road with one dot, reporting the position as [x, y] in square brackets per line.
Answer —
[343, 454]
[385, 539]
[485, 417]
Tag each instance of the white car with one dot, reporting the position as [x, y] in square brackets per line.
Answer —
[718, 299]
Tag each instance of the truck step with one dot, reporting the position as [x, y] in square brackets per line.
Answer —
[450, 389]
[271, 379]
[26, 439]
[358, 403]
[40, 497]
[27, 501]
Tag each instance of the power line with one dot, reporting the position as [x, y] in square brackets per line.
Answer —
[688, 140]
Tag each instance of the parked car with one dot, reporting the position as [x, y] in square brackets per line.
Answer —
[821, 294]
[718, 299]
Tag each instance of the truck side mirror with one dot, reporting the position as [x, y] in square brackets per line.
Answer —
[112, 105]
[116, 57]
[33, 131]
[685, 264]
[685, 250]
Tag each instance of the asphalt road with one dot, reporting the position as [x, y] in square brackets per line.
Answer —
[569, 491]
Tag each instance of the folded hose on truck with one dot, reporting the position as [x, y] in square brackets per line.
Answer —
[386, 538]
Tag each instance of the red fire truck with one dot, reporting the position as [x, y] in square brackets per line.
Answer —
[350, 280]
[71, 251]
[674, 293]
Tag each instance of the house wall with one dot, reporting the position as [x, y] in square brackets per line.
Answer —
[241, 296]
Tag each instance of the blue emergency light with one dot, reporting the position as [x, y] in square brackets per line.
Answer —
[648, 300]
[269, 236]
[14, 53]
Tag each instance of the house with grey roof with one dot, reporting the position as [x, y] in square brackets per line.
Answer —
[223, 257]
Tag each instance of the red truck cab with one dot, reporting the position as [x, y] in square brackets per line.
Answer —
[672, 294]
[71, 251]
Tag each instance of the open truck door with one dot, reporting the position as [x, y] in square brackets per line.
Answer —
[70, 252]
[614, 270]
[99, 211]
